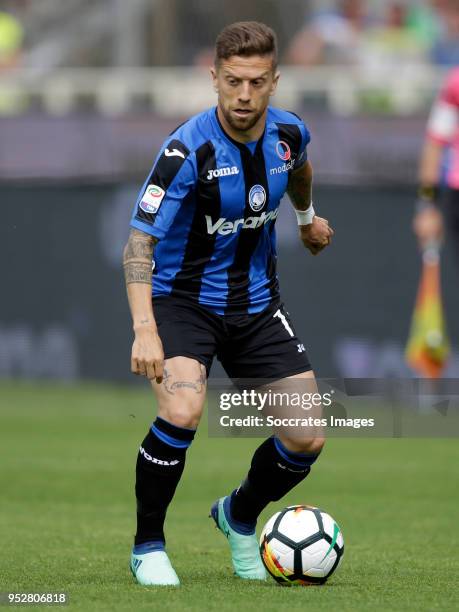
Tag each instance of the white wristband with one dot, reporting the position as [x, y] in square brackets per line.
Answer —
[305, 217]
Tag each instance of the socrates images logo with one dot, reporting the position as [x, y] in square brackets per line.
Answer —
[152, 198]
[283, 150]
[257, 197]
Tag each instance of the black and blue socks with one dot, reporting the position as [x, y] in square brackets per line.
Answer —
[159, 467]
[274, 472]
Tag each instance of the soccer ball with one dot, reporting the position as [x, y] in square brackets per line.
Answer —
[301, 545]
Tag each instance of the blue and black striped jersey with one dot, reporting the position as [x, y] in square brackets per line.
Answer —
[212, 202]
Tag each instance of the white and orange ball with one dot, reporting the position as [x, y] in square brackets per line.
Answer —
[301, 545]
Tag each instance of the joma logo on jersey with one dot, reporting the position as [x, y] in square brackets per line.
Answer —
[283, 168]
[224, 227]
[219, 172]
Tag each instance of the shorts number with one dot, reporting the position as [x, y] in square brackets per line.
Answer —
[285, 323]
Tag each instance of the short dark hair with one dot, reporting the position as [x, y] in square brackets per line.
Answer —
[246, 38]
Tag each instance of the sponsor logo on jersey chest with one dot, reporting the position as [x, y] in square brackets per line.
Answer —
[283, 150]
[224, 227]
[284, 168]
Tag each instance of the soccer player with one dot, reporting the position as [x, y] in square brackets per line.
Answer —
[205, 217]
[442, 133]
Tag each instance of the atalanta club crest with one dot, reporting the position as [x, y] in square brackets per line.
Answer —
[283, 150]
[257, 197]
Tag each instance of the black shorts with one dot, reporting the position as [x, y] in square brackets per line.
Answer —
[261, 345]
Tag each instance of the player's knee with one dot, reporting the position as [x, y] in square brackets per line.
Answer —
[187, 415]
[312, 446]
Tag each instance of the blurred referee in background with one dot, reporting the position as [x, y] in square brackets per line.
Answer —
[442, 136]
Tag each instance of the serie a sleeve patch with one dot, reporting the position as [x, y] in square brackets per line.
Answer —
[151, 199]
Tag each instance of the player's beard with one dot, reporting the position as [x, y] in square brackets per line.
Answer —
[242, 124]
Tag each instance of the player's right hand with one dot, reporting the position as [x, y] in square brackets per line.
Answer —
[428, 226]
[147, 357]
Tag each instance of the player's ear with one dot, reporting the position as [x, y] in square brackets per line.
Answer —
[275, 82]
[213, 72]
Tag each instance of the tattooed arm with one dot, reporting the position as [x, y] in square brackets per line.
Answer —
[317, 235]
[299, 187]
[147, 351]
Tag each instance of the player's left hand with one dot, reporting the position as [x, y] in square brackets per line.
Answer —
[316, 236]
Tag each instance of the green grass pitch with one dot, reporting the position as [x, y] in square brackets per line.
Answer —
[67, 511]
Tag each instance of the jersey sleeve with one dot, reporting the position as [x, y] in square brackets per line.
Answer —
[172, 178]
[443, 120]
[303, 148]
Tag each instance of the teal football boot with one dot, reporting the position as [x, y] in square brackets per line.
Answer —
[245, 552]
[151, 567]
